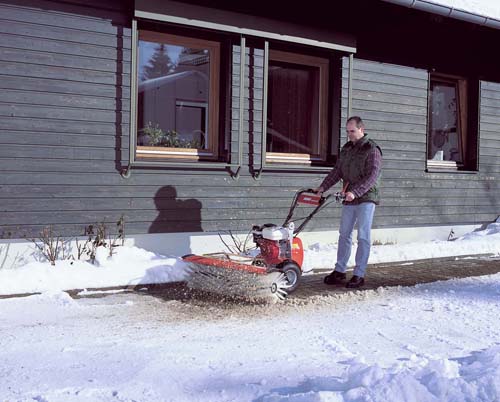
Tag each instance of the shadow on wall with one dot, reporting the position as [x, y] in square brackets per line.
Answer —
[175, 215]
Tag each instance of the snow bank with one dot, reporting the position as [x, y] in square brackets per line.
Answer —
[418, 379]
[127, 266]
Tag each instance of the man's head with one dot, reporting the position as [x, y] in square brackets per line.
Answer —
[355, 128]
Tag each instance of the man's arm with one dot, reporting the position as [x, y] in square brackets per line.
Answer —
[331, 179]
[373, 164]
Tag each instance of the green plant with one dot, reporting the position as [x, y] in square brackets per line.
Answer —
[155, 133]
[168, 138]
[171, 139]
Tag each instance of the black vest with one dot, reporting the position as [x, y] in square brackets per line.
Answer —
[353, 157]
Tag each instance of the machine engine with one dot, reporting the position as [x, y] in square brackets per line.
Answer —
[277, 244]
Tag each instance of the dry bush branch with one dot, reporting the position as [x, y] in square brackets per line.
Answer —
[49, 244]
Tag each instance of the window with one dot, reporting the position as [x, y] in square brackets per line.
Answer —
[178, 97]
[452, 131]
[297, 108]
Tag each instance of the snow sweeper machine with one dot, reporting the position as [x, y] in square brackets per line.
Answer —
[276, 269]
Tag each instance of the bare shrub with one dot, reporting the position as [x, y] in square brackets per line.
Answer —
[238, 246]
[118, 237]
[49, 244]
[98, 235]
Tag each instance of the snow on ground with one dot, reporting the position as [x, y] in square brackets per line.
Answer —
[432, 342]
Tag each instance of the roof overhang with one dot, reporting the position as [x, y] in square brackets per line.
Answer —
[243, 24]
[449, 11]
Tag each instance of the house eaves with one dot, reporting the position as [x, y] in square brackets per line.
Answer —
[449, 11]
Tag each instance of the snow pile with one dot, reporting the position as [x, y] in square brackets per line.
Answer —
[127, 266]
[419, 379]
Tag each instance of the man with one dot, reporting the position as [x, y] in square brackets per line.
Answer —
[358, 166]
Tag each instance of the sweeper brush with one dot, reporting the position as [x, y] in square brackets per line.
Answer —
[235, 279]
[273, 273]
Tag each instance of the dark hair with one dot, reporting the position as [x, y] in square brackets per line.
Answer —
[357, 120]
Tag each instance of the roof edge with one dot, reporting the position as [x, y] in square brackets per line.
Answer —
[448, 11]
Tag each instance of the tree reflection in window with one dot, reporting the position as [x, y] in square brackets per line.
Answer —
[177, 94]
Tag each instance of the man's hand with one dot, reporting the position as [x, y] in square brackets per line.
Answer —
[319, 190]
[349, 196]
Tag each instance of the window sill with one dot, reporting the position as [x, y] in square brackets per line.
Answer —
[442, 165]
[174, 154]
[293, 159]
[447, 167]
[455, 171]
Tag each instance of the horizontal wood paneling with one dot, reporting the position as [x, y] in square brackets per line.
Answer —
[57, 86]
[26, 69]
[55, 100]
[82, 52]
[62, 113]
[489, 151]
[64, 93]
[78, 37]
[64, 127]
[75, 16]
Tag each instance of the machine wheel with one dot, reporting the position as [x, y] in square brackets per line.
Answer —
[293, 274]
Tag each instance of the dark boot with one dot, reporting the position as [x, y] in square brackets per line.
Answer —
[335, 278]
[355, 282]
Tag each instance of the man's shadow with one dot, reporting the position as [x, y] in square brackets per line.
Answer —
[175, 215]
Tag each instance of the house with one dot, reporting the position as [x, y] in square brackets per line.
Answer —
[197, 117]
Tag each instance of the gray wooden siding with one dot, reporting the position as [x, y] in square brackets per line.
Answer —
[64, 112]
[489, 151]
[64, 135]
[64, 124]
[392, 100]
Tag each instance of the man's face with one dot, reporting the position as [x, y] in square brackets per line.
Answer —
[353, 132]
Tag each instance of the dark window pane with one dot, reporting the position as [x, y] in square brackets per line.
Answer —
[444, 141]
[191, 122]
[173, 95]
[293, 108]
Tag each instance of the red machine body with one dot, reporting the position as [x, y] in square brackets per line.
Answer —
[275, 252]
[297, 251]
